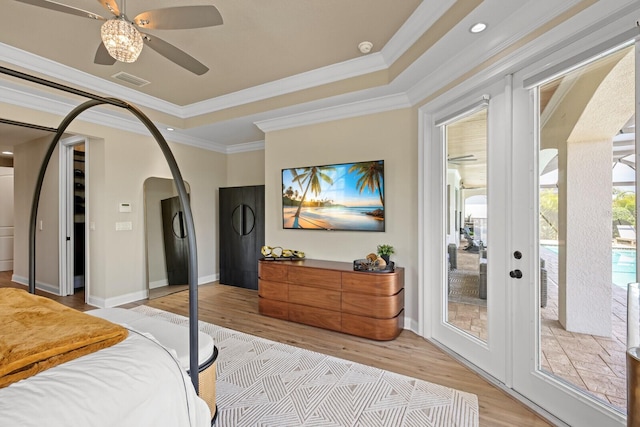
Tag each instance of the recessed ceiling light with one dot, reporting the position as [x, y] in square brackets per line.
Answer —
[8, 153]
[170, 129]
[478, 28]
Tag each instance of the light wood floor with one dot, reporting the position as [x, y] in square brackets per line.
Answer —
[409, 354]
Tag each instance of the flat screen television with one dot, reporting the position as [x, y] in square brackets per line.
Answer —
[343, 196]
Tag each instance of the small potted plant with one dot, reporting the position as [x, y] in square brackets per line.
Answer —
[385, 252]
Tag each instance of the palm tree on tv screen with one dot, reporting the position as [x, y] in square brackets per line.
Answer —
[371, 177]
[311, 176]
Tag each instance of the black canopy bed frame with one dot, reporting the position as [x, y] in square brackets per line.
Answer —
[95, 100]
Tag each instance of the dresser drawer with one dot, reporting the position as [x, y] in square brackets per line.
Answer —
[272, 271]
[375, 329]
[318, 317]
[373, 283]
[273, 290]
[272, 308]
[374, 306]
[314, 297]
[319, 277]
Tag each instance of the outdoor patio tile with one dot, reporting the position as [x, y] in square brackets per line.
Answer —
[600, 368]
[563, 369]
[603, 384]
[576, 354]
[611, 345]
[468, 308]
[558, 357]
[561, 332]
[584, 345]
[620, 371]
[619, 359]
[618, 402]
[550, 344]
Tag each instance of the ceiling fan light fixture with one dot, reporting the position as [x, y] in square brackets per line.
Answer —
[122, 40]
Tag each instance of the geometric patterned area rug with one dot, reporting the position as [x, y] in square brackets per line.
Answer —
[265, 383]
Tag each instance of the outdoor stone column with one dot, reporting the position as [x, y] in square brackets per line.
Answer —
[584, 260]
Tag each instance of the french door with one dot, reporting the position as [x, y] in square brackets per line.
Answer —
[468, 248]
[529, 247]
[574, 193]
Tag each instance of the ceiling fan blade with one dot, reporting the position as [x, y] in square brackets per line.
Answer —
[174, 54]
[59, 7]
[111, 6]
[466, 158]
[179, 18]
[102, 56]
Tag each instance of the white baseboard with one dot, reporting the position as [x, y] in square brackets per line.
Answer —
[411, 325]
[203, 280]
[107, 302]
[45, 287]
[119, 300]
[158, 283]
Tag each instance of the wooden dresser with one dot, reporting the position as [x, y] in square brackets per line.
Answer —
[331, 295]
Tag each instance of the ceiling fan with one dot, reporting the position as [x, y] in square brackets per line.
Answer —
[123, 38]
[462, 159]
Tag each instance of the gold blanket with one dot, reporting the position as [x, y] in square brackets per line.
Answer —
[37, 333]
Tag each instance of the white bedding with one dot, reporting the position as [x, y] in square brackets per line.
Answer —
[134, 383]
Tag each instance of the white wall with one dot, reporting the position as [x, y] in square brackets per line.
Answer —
[6, 218]
[28, 158]
[388, 136]
[119, 163]
[246, 168]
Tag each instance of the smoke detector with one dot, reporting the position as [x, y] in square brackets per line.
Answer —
[365, 47]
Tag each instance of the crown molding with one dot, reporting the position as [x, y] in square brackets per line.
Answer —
[320, 76]
[79, 78]
[38, 100]
[425, 15]
[243, 148]
[354, 109]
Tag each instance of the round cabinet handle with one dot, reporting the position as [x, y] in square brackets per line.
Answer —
[517, 254]
[516, 274]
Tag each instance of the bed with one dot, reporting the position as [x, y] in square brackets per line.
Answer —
[136, 382]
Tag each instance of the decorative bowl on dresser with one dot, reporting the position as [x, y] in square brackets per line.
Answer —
[331, 295]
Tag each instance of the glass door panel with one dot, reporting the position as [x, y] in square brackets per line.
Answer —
[467, 231]
[587, 224]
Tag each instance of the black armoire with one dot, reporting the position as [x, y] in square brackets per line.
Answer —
[241, 234]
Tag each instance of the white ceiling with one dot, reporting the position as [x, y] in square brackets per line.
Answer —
[272, 61]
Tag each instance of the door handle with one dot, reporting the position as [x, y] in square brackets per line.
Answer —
[516, 274]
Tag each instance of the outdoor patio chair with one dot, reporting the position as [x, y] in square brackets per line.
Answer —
[472, 245]
[627, 234]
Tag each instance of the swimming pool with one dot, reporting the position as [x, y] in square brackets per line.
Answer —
[623, 263]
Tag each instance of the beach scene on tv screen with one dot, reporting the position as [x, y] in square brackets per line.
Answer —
[346, 196]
